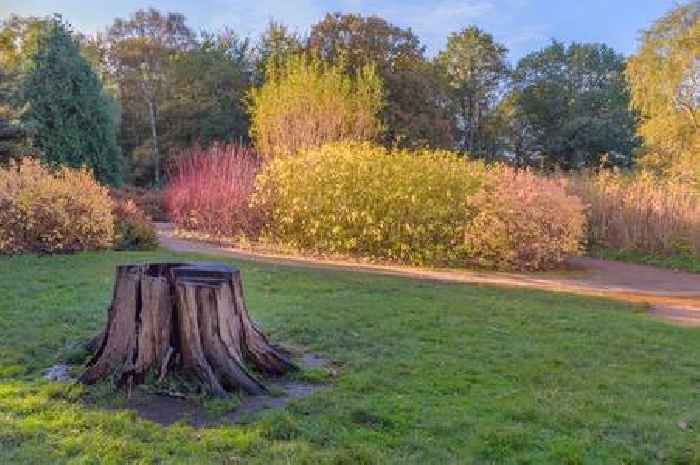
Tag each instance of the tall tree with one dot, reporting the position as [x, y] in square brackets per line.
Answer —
[205, 95]
[576, 104]
[307, 102]
[274, 47]
[474, 65]
[19, 39]
[140, 49]
[513, 137]
[11, 134]
[68, 115]
[664, 76]
[415, 113]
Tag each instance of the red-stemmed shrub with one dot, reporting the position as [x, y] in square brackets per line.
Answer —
[209, 191]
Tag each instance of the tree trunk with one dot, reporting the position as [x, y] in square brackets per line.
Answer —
[189, 317]
[154, 135]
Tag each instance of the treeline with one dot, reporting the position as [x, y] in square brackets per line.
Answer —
[128, 100]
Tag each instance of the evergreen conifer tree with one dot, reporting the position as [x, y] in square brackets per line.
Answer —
[68, 114]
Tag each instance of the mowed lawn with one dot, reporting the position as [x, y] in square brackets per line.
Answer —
[430, 374]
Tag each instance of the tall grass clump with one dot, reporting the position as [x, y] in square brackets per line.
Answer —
[640, 213]
[209, 191]
[47, 211]
[307, 102]
[523, 222]
[364, 200]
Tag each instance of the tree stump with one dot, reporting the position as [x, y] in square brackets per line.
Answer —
[189, 317]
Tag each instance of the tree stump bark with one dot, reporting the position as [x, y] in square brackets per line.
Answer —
[189, 317]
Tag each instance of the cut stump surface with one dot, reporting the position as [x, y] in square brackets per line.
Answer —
[189, 317]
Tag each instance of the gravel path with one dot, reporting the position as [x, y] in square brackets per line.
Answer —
[671, 295]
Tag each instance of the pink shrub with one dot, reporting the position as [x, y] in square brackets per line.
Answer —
[523, 222]
[209, 191]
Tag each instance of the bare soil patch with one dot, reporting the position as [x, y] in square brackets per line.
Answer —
[166, 410]
[169, 408]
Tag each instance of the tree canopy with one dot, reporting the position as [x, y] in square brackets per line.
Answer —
[139, 51]
[275, 45]
[163, 88]
[475, 67]
[308, 102]
[19, 40]
[575, 103]
[664, 77]
[68, 116]
[206, 89]
[414, 114]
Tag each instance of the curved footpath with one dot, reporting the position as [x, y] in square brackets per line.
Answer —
[671, 295]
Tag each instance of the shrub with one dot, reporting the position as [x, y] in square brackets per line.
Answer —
[361, 199]
[133, 228]
[52, 211]
[640, 213]
[209, 191]
[524, 222]
[306, 103]
[150, 201]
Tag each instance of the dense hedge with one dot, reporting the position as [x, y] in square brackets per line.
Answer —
[364, 200]
[45, 211]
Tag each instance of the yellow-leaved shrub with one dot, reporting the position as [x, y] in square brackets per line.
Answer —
[49, 211]
[524, 222]
[363, 200]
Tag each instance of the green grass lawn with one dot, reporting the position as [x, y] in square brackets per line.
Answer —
[431, 374]
[676, 262]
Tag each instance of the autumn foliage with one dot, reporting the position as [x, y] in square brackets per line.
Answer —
[640, 213]
[523, 222]
[365, 200]
[306, 103]
[209, 191]
[49, 211]
[133, 228]
[149, 201]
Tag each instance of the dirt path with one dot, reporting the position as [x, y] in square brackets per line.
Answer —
[671, 295]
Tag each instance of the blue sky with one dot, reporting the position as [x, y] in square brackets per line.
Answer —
[522, 25]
